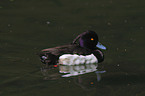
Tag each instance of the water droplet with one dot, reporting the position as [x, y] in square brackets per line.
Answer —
[141, 28]
[11, 0]
[125, 50]
[125, 21]
[47, 22]
[117, 49]
[109, 23]
[9, 25]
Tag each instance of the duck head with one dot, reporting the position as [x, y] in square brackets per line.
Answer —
[89, 40]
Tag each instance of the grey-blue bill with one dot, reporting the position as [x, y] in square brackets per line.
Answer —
[100, 46]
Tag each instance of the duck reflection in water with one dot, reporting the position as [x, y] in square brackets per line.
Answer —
[74, 70]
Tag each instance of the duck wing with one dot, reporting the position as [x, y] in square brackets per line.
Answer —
[51, 55]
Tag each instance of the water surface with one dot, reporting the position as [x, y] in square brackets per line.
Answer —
[27, 26]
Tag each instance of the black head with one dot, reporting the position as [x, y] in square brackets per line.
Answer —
[88, 39]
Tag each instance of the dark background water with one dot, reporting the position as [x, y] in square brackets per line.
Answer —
[27, 26]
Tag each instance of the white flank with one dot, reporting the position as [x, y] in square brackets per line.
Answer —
[69, 59]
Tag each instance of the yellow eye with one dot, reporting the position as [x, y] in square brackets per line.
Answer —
[92, 39]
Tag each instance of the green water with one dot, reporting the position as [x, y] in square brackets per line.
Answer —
[28, 26]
